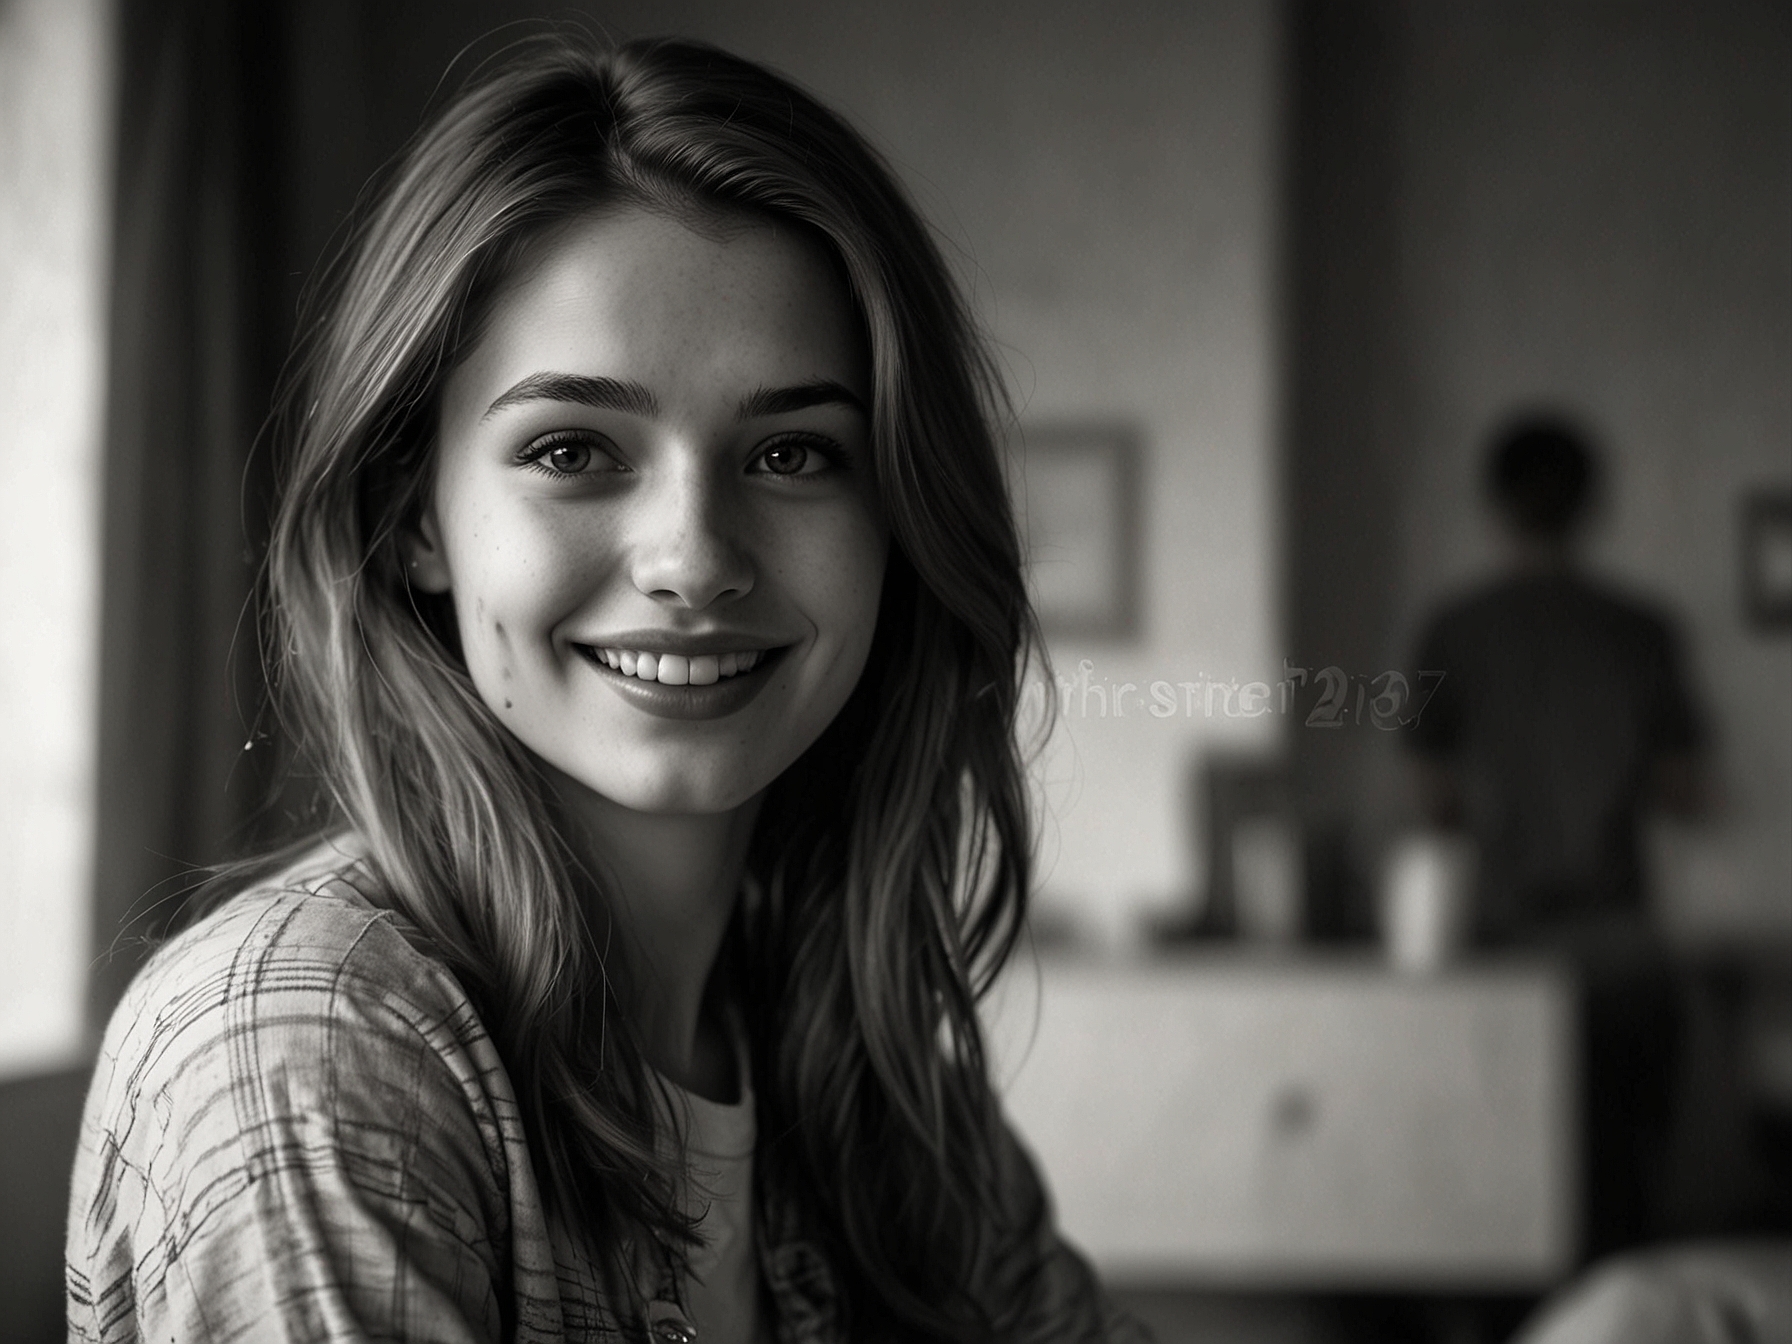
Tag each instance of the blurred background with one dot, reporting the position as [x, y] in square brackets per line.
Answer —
[1264, 277]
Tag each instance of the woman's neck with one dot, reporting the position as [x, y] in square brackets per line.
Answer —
[669, 885]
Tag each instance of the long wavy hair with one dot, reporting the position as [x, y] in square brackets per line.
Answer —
[890, 865]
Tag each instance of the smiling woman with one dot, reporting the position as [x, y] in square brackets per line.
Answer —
[643, 589]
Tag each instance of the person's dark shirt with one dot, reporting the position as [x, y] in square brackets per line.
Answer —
[1558, 700]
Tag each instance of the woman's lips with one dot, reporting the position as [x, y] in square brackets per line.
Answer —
[693, 697]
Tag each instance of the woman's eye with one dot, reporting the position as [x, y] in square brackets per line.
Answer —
[566, 455]
[794, 457]
[569, 457]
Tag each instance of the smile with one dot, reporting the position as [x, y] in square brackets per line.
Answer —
[676, 669]
[684, 686]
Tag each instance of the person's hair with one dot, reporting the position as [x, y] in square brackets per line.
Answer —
[1542, 474]
[890, 866]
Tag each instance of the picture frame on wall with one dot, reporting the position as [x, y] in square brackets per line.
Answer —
[1767, 558]
[1076, 498]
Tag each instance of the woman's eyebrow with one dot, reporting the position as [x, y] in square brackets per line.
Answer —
[607, 394]
[800, 397]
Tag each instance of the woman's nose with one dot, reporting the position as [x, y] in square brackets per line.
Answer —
[686, 545]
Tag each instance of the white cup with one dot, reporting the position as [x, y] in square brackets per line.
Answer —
[1426, 888]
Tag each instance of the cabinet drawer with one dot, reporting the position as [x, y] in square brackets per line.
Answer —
[1315, 1122]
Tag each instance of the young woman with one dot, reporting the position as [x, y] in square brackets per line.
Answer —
[644, 594]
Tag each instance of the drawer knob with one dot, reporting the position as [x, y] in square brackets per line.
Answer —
[1293, 1111]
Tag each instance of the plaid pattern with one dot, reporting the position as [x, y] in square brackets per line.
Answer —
[298, 1129]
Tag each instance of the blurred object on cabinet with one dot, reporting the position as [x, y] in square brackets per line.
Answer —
[1256, 867]
[1268, 879]
[1427, 885]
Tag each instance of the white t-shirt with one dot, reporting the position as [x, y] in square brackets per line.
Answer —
[722, 1294]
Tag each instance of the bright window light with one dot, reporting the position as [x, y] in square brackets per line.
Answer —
[55, 118]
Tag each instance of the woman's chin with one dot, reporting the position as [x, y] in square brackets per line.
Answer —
[660, 793]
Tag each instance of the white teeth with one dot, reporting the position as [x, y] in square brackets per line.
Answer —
[677, 669]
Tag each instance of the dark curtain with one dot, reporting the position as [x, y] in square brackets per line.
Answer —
[196, 332]
[1346, 369]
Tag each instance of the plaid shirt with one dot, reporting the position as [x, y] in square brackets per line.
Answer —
[298, 1129]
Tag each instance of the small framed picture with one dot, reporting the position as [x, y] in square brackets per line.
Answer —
[1076, 495]
[1767, 558]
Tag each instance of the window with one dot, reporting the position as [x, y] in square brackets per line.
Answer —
[55, 116]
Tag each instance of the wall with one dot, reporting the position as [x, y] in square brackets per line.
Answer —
[1105, 182]
[1590, 206]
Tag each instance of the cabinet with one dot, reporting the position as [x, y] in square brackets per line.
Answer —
[1300, 1120]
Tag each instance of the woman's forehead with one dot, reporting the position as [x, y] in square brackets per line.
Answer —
[641, 294]
[624, 225]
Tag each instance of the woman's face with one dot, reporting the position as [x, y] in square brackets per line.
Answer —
[653, 506]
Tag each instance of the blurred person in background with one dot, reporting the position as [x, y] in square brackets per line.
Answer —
[1563, 718]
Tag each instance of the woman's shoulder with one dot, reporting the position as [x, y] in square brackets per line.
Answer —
[332, 874]
[294, 1099]
[319, 898]
[307, 969]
